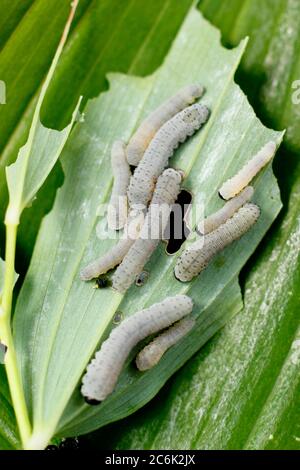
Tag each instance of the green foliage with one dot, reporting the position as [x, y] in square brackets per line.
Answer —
[59, 320]
[272, 62]
[111, 35]
[242, 389]
[9, 439]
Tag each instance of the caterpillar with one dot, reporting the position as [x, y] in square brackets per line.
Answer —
[148, 128]
[212, 222]
[238, 182]
[115, 255]
[117, 208]
[198, 255]
[153, 352]
[160, 149]
[165, 194]
[103, 371]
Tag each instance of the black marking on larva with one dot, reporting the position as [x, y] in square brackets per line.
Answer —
[161, 148]
[118, 317]
[141, 278]
[104, 369]
[177, 230]
[148, 128]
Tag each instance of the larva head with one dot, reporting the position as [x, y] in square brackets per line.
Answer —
[252, 211]
[118, 148]
[195, 115]
[148, 357]
[194, 92]
[270, 148]
[248, 192]
[185, 302]
[175, 175]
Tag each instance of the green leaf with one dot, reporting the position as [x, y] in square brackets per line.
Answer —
[9, 439]
[272, 62]
[60, 320]
[27, 55]
[42, 149]
[12, 13]
[34, 163]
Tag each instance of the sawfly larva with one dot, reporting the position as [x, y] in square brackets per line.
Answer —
[213, 221]
[198, 255]
[160, 149]
[116, 254]
[238, 182]
[103, 371]
[148, 128]
[156, 220]
[117, 208]
[153, 352]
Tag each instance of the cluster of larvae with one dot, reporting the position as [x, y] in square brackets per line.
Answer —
[103, 371]
[228, 224]
[151, 189]
[141, 204]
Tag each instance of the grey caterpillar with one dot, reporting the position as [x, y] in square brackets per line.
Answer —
[235, 184]
[153, 352]
[165, 194]
[213, 221]
[117, 208]
[115, 255]
[198, 255]
[148, 128]
[160, 149]
[103, 371]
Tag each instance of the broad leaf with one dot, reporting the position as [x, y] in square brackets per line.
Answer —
[261, 407]
[64, 317]
[242, 390]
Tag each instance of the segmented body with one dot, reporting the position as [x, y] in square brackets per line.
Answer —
[148, 128]
[198, 255]
[103, 371]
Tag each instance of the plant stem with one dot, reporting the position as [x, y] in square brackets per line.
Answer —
[16, 204]
[11, 366]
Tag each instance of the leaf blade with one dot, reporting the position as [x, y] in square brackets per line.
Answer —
[22, 186]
